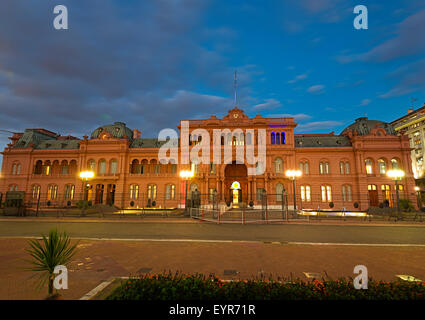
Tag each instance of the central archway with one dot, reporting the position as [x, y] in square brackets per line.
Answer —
[235, 173]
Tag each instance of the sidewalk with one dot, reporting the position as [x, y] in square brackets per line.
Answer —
[98, 261]
[133, 219]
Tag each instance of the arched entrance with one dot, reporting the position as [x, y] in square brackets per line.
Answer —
[235, 184]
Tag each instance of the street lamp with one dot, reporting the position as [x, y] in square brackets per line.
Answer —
[418, 197]
[186, 175]
[396, 175]
[293, 174]
[85, 176]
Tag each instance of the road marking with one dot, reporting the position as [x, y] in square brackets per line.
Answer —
[358, 244]
[234, 241]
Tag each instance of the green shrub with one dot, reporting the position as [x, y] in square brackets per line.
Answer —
[406, 205]
[200, 287]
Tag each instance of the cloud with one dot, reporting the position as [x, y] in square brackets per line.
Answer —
[405, 42]
[316, 89]
[269, 104]
[365, 102]
[297, 117]
[298, 78]
[318, 125]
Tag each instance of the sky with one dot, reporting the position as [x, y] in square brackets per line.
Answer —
[151, 64]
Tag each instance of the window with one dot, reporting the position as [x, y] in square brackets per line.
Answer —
[278, 165]
[382, 166]
[305, 193]
[13, 187]
[173, 168]
[47, 170]
[282, 138]
[114, 167]
[386, 195]
[369, 166]
[16, 168]
[91, 165]
[395, 164]
[69, 192]
[324, 167]
[157, 169]
[273, 138]
[346, 193]
[134, 192]
[326, 193]
[212, 194]
[371, 187]
[279, 192]
[170, 192]
[38, 168]
[213, 168]
[260, 193]
[52, 192]
[152, 191]
[65, 169]
[341, 167]
[304, 167]
[35, 191]
[277, 138]
[102, 167]
[347, 168]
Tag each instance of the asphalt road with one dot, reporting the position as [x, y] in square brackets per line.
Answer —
[204, 231]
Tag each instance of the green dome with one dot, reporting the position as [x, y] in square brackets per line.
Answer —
[362, 126]
[117, 130]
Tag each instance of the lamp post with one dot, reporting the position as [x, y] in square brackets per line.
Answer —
[396, 175]
[293, 174]
[85, 176]
[418, 198]
[186, 175]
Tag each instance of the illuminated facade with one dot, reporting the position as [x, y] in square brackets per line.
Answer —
[347, 170]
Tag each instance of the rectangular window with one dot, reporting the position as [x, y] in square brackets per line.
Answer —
[114, 167]
[64, 169]
[305, 194]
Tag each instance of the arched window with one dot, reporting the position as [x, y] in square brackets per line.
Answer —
[170, 192]
[282, 138]
[152, 191]
[273, 138]
[278, 165]
[114, 167]
[305, 193]
[69, 192]
[304, 167]
[279, 192]
[347, 168]
[16, 168]
[277, 138]
[91, 165]
[326, 193]
[341, 167]
[395, 164]
[13, 187]
[52, 192]
[324, 167]
[35, 191]
[382, 166]
[134, 192]
[346, 193]
[38, 168]
[102, 166]
[369, 166]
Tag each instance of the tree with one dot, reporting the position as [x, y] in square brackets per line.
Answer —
[49, 253]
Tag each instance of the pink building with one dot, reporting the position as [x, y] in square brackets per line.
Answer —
[347, 169]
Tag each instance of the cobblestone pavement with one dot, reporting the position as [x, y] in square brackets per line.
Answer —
[97, 261]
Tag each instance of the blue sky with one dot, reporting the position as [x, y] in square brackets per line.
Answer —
[152, 63]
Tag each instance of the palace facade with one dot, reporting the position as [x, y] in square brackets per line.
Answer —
[346, 169]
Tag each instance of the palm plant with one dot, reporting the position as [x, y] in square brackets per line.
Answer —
[51, 251]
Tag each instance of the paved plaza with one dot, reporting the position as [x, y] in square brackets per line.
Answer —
[278, 250]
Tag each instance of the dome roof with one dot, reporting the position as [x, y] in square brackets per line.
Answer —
[363, 126]
[117, 130]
